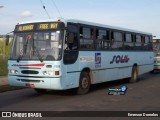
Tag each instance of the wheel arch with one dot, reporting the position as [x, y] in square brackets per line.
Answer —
[137, 67]
[89, 71]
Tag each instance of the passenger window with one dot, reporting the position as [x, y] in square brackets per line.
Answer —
[101, 34]
[128, 41]
[86, 38]
[71, 42]
[101, 39]
[147, 39]
[147, 45]
[142, 40]
[117, 41]
[138, 40]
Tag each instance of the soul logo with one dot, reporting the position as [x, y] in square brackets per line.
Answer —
[120, 59]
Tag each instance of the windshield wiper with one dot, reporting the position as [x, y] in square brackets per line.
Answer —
[19, 58]
[38, 54]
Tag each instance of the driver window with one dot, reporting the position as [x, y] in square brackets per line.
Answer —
[72, 38]
[71, 44]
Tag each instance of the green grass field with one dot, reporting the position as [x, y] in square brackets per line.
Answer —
[4, 60]
[3, 65]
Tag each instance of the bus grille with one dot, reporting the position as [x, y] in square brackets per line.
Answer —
[26, 80]
[29, 72]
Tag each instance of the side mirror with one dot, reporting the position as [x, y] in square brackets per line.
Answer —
[7, 40]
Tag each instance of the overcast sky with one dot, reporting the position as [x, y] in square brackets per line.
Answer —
[142, 15]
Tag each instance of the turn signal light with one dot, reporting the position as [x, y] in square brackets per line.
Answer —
[57, 72]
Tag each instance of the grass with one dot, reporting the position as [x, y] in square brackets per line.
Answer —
[3, 65]
[4, 60]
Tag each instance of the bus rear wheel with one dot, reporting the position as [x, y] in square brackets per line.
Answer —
[84, 83]
[134, 75]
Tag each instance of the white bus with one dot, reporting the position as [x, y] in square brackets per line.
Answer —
[156, 48]
[63, 54]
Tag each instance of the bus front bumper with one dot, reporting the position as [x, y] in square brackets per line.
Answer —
[53, 83]
[156, 67]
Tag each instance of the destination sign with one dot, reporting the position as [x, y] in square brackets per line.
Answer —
[39, 26]
[44, 26]
[25, 27]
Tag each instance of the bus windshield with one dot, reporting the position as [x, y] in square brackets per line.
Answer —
[156, 48]
[41, 45]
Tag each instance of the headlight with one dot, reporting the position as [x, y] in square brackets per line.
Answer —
[49, 72]
[44, 72]
[13, 71]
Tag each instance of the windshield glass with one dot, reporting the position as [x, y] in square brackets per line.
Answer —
[156, 48]
[37, 46]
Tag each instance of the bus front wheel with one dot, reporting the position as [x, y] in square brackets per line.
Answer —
[134, 75]
[84, 83]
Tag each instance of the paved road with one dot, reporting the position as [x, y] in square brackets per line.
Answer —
[141, 96]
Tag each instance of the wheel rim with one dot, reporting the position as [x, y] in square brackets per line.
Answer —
[135, 74]
[84, 83]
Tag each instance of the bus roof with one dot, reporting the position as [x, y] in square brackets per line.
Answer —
[86, 23]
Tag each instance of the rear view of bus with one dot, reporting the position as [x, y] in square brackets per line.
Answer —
[36, 53]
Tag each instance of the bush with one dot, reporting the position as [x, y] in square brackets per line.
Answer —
[3, 65]
[4, 58]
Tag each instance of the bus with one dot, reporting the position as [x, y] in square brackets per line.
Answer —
[61, 54]
[156, 48]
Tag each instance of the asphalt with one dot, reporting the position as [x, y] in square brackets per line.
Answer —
[3, 80]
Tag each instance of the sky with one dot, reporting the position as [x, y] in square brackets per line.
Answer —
[141, 15]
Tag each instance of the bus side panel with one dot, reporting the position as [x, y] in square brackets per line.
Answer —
[110, 65]
[71, 75]
[104, 67]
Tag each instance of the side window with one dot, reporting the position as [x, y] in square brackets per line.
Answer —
[101, 34]
[86, 32]
[147, 39]
[117, 41]
[71, 42]
[101, 39]
[142, 40]
[138, 40]
[86, 38]
[148, 45]
[128, 41]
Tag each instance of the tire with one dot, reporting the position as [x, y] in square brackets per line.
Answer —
[84, 83]
[134, 75]
[153, 71]
[40, 91]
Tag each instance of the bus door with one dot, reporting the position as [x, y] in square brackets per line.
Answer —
[71, 65]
